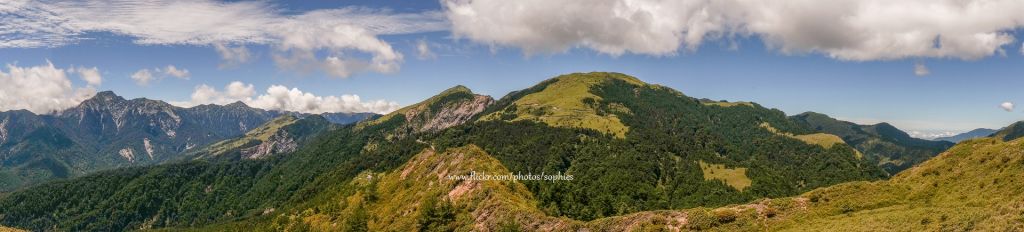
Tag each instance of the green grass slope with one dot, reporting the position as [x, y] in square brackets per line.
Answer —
[975, 186]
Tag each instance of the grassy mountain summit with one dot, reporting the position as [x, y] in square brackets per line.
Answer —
[883, 144]
[567, 101]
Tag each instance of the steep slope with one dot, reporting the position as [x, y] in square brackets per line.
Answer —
[451, 107]
[1011, 132]
[202, 192]
[976, 133]
[284, 134]
[890, 148]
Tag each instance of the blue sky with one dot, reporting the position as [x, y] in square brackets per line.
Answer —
[961, 91]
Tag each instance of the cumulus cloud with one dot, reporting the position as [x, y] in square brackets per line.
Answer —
[423, 51]
[278, 97]
[855, 30]
[145, 76]
[41, 89]
[1007, 106]
[170, 70]
[142, 77]
[921, 70]
[91, 76]
[341, 34]
[300, 42]
[232, 56]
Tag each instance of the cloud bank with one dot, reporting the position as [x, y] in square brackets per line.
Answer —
[342, 34]
[278, 97]
[854, 30]
[44, 89]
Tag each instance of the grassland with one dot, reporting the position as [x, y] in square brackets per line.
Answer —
[735, 177]
[821, 139]
[564, 104]
[8, 229]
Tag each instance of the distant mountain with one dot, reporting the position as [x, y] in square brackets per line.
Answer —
[201, 192]
[346, 118]
[892, 149]
[628, 145]
[976, 133]
[284, 134]
[108, 131]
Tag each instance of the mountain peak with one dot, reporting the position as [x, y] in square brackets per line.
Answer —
[456, 89]
[107, 96]
[568, 101]
[453, 106]
[598, 77]
[237, 104]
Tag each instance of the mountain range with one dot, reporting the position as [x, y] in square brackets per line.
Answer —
[640, 157]
[976, 133]
[108, 131]
[883, 144]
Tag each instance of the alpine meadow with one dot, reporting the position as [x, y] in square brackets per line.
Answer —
[528, 115]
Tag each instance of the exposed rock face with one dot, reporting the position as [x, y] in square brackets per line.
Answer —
[279, 143]
[3, 131]
[149, 147]
[455, 114]
[128, 154]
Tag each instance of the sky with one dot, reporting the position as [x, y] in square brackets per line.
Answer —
[931, 67]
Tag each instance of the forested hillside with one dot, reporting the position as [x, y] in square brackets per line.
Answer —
[629, 146]
[108, 131]
[890, 148]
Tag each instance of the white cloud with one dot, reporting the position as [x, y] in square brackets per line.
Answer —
[299, 43]
[170, 70]
[232, 56]
[41, 89]
[423, 51]
[842, 29]
[930, 134]
[142, 77]
[91, 76]
[921, 70]
[278, 97]
[1007, 106]
[145, 76]
[343, 34]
